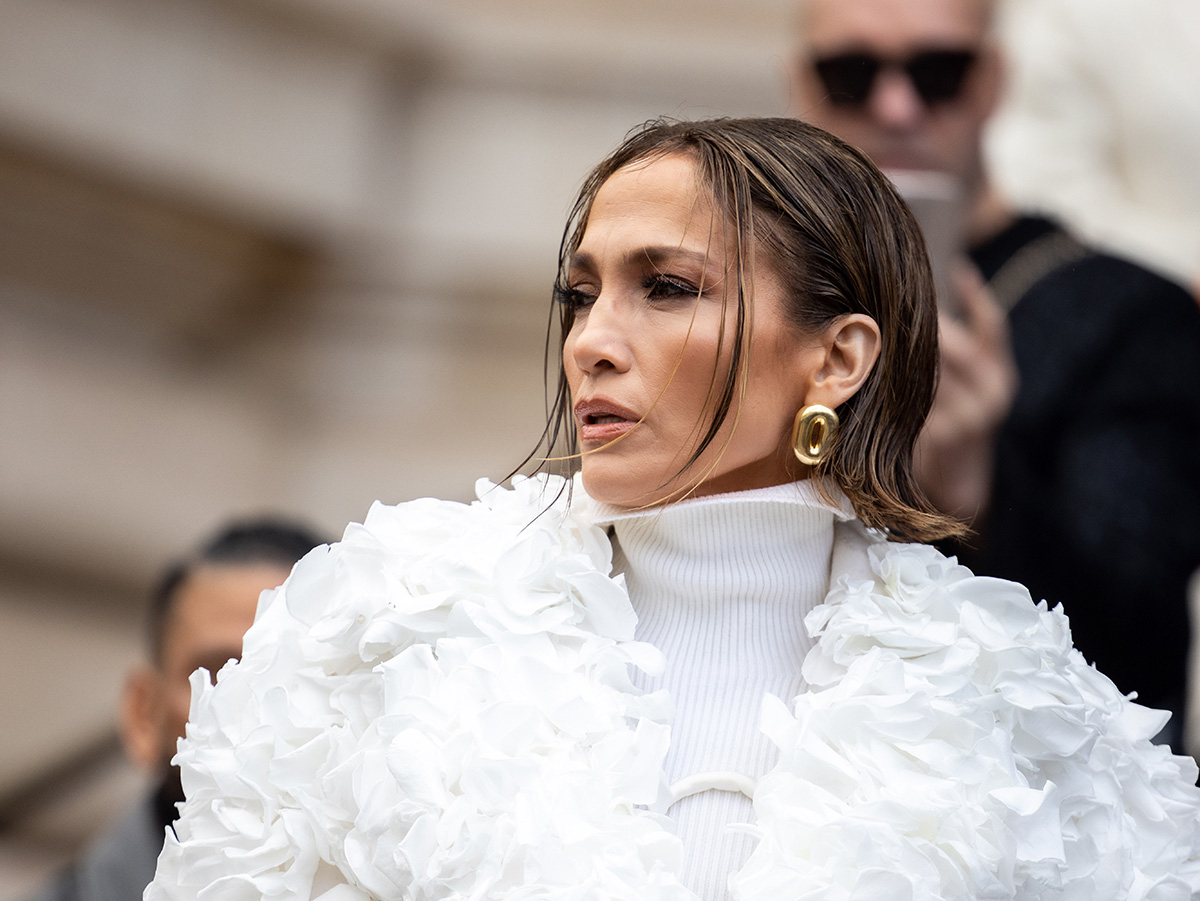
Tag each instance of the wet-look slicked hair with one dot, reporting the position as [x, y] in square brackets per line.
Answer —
[840, 241]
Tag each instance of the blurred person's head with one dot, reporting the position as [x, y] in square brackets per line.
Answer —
[199, 611]
[911, 82]
[718, 277]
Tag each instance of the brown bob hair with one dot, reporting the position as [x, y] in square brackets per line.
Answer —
[839, 236]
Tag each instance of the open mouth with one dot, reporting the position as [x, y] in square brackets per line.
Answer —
[602, 420]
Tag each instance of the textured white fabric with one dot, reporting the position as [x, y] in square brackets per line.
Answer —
[439, 708]
[721, 585]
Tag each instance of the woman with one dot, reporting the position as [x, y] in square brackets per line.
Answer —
[473, 701]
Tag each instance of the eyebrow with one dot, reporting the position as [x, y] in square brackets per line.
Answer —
[656, 255]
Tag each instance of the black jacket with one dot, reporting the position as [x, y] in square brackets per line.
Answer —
[1096, 500]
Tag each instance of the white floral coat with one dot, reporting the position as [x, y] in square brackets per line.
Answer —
[439, 707]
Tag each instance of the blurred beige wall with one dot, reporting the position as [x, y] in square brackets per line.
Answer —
[287, 255]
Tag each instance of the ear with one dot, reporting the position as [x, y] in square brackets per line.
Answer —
[142, 715]
[851, 346]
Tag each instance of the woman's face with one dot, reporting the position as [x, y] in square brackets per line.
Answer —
[652, 284]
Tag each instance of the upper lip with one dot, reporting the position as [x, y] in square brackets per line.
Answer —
[590, 407]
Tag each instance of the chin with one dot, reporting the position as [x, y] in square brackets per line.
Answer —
[618, 490]
[605, 491]
[612, 484]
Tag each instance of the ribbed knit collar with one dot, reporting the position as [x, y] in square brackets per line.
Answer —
[721, 586]
[723, 547]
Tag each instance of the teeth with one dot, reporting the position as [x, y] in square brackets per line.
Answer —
[607, 417]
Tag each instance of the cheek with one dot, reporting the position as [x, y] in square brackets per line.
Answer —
[685, 374]
[180, 704]
[780, 372]
[699, 350]
[177, 701]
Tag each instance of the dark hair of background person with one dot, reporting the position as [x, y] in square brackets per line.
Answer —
[838, 234]
[263, 540]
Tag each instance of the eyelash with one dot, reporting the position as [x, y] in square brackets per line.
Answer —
[571, 298]
[669, 286]
[655, 286]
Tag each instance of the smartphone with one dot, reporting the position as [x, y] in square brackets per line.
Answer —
[937, 201]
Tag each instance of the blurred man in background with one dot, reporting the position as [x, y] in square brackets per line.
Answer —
[1079, 476]
[198, 614]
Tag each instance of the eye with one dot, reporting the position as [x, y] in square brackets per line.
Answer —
[571, 297]
[662, 285]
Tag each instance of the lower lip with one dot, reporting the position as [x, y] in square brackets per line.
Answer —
[604, 431]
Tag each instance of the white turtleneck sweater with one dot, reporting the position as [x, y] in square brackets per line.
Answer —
[721, 585]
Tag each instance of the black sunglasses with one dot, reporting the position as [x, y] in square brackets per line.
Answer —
[936, 75]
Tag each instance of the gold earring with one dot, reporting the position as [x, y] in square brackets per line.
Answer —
[813, 433]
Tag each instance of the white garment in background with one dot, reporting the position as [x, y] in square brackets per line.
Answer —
[1101, 126]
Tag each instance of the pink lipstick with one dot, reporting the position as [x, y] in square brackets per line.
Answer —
[601, 420]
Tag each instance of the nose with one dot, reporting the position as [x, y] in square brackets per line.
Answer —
[894, 102]
[599, 340]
